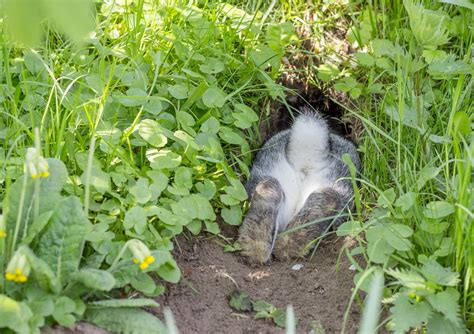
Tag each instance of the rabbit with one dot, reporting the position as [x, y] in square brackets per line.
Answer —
[295, 179]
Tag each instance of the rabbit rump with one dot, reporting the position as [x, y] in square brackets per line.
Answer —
[294, 184]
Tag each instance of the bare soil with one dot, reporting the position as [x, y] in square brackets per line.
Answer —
[319, 291]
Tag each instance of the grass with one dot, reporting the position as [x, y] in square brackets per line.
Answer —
[158, 111]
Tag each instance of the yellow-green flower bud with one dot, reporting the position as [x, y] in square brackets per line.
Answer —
[141, 253]
[18, 268]
[3, 232]
[35, 165]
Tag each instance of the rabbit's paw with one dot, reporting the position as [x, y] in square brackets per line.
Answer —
[256, 242]
[291, 245]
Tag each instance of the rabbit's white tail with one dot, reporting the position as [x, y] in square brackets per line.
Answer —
[309, 142]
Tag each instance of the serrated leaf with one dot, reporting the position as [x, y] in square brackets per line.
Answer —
[407, 315]
[446, 302]
[408, 278]
[135, 302]
[436, 273]
[125, 320]
[438, 324]
[364, 59]
[240, 301]
[95, 279]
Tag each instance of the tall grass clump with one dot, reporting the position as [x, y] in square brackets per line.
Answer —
[144, 127]
[411, 79]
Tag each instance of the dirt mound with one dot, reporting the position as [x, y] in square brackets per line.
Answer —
[318, 291]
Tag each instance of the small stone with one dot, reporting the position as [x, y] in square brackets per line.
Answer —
[297, 266]
[352, 268]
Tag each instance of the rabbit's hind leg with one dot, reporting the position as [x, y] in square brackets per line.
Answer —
[257, 229]
[325, 203]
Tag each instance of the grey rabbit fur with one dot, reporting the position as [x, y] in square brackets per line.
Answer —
[295, 180]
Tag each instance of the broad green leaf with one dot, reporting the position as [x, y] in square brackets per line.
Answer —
[230, 136]
[428, 27]
[364, 59]
[383, 47]
[462, 3]
[135, 97]
[426, 174]
[351, 227]
[143, 283]
[213, 97]
[134, 302]
[60, 243]
[33, 62]
[49, 195]
[169, 271]
[264, 57]
[163, 159]
[232, 215]
[438, 209]
[187, 140]
[245, 118]
[387, 198]
[448, 67]
[99, 179]
[37, 226]
[327, 72]
[42, 273]
[406, 201]
[135, 218]
[141, 191]
[378, 249]
[207, 188]
[63, 309]
[434, 227]
[212, 227]
[95, 279]
[14, 315]
[152, 132]
[211, 125]
[183, 177]
[179, 92]
[461, 123]
[125, 320]
[212, 66]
